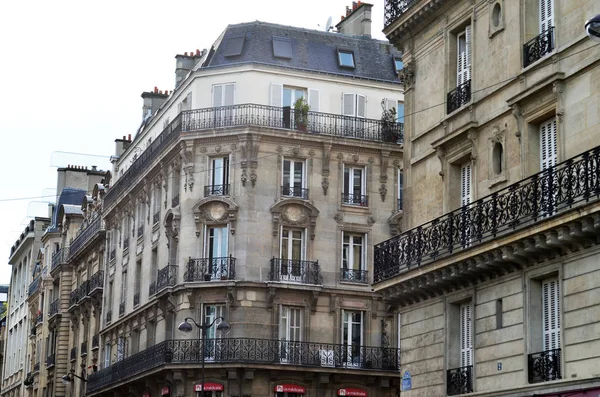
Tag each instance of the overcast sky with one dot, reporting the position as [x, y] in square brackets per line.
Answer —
[72, 73]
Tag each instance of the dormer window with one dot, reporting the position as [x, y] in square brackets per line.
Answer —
[346, 59]
[234, 46]
[282, 47]
[398, 64]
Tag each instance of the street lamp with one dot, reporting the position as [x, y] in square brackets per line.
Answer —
[186, 327]
[592, 28]
[69, 378]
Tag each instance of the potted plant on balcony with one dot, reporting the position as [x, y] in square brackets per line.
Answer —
[301, 114]
[390, 131]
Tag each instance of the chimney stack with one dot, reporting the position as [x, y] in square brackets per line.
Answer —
[121, 145]
[152, 101]
[185, 63]
[357, 21]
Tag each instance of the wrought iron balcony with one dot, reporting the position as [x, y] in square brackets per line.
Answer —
[50, 360]
[394, 9]
[573, 183]
[121, 308]
[73, 353]
[140, 231]
[297, 271]
[59, 258]
[355, 276]
[544, 366]
[167, 277]
[247, 351]
[108, 316]
[85, 235]
[152, 289]
[538, 47]
[458, 97]
[459, 380]
[136, 299]
[84, 350]
[97, 282]
[210, 269]
[125, 243]
[360, 200]
[53, 310]
[294, 191]
[84, 290]
[156, 217]
[216, 190]
[95, 342]
[73, 299]
[175, 201]
[35, 285]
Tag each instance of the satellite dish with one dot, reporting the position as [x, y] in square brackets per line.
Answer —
[328, 26]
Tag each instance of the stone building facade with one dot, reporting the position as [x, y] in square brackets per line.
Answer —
[493, 283]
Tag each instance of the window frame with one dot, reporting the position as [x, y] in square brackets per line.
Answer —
[363, 188]
[291, 186]
[397, 59]
[363, 265]
[344, 51]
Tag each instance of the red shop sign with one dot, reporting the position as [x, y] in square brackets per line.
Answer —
[352, 392]
[165, 391]
[287, 388]
[146, 394]
[209, 387]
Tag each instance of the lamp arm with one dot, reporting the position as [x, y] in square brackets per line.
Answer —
[193, 321]
[78, 377]
[207, 326]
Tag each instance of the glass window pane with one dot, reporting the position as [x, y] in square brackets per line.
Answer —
[346, 59]
[287, 96]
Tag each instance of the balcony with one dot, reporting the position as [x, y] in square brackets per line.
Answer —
[53, 310]
[167, 277]
[59, 258]
[216, 190]
[35, 285]
[73, 300]
[296, 271]
[86, 234]
[210, 269]
[175, 201]
[96, 282]
[294, 191]
[84, 290]
[108, 316]
[574, 183]
[95, 342]
[247, 351]
[121, 309]
[544, 366]
[458, 97]
[459, 381]
[74, 354]
[355, 276]
[538, 47]
[359, 200]
[84, 350]
[50, 360]
[394, 9]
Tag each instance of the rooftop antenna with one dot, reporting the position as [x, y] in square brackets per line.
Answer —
[328, 26]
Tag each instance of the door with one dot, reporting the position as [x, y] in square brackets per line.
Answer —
[213, 345]
[466, 335]
[548, 160]
[352, 258]
[292, 255]
[352, 337]
[463, 56]
[354, 110]
[217, 244]
[219, 176]
[354, 192]
[223, 97]
[290, 330]
[293, 178]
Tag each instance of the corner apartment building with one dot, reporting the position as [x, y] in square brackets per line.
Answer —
[24, 259]
[231, 202]
[494, 282]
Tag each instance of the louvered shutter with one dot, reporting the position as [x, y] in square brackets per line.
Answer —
[546, 15]
[551, 313]
[217, 95]
[276, 95]
[313, 100]
[229, 92]
[460, 65]
[400, 187]
[548, 145]
[348, 103]
[465, 184]
[361, 105]
[467, 58]
[466, 335]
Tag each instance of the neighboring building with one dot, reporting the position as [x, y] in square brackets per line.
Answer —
[4, 301]
[232, 202]
[24, 261]
[494, 281]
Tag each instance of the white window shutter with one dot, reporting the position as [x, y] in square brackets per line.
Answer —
[313, 100]
[217, 95]
[276, 95]
[229, 94]
[459, 61]
[467, 58]
[466, 335]
[361, 106]
[551, 313]
[348, 102]
[391, 104]
[548, 145]
[465, 184]
[546, 14]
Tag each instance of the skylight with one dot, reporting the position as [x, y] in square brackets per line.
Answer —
[282, 47]
[346, 58]
[398, 64]
[234, 46]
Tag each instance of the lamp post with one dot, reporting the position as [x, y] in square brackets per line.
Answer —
[592, 28]
[68, 378]
[186, 327]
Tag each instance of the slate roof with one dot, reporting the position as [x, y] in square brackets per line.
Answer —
[72, 209]
[67, 196]
[312, 50]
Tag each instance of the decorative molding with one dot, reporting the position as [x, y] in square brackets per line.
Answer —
[215, 210]
[231, 297]
[325, 185]
[382, 192]
[441, 154]
[339, 217]
[371, 221]
[294, 212]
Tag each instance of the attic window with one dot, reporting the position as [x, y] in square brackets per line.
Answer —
[398, 65]
[234, 46]
[282, 47]
[346, 58]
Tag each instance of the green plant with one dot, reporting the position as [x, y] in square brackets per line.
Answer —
[389, 126]
[301, 109]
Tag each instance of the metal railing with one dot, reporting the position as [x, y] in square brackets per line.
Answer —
[216, 190]
[73, 298]
[152, 288]
[35, 285]
[459, 380]
[97, 281]
[294, 191]
[544, 366]
[573, 182]
[355, 276]
[167, 277]
[210, 269]
[394, 9]
[59, 257]
[360, 200]
[84, 290]
[85, 235]
[538, 47]
[247, 350]
[54, 306]
[458, 97]
[50, 360]
[95, 342]
[298, 271]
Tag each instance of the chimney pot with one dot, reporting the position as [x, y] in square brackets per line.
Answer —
[197, 52]
[354, 5]
[124, 137]
[155, 90]
[129, 137]
[94, 168]
[185, 54]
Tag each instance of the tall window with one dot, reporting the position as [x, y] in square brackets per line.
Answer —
[463, 56]
[219, 177]
[354, 186]
[546, 15]
[124, 287]
[466, 335]
[293, 179]
[354, 257]
[212, 313]
[291, 95]
[121, 348]
[548, 159]
[292, 254]
[223, 99]
[290, 333]
[551, 314]
[400, 189]
[465, 200]
[217, 240]
[107, 354]
[352, 336]
[156, 204]
[354, 107]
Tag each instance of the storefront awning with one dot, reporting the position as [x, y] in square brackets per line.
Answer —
[352, 392]
[209, 387]
[288, 388]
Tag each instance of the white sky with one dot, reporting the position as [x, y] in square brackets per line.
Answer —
[71, 75]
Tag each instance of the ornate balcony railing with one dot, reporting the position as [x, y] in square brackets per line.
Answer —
[85, 235]
[121, 308]
[108, 316]
[50, 360]
[458, 97]
[156, 217]
[167, 277]
[355, 276]
[140, 231]
[59, 257]
[175, 201]
[54, 306]
[136, 299]
[210, 269]
[97, 282]
[73, 299]
[73, 353]
[84, 290]
[95, 342]
[125, 243]
[35, 285]
[544, 366]
[84, 350]
[294, 191]
[216, 190]
[360, 200]
[459, 380]
[394, 9]
[538, 47]
[247, 351]
[573, 182]
[290, 270]
[152, 288]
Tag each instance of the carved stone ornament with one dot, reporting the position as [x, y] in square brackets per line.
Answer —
[215, 210]
[440, 153]
[244, 177]
[407, 75]
[339, 217]
[371, 221]
[355, 158]
[294, 215]
[253, 178]
[382, 192]
[325, 185]
[394, 222]
[294, 212]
